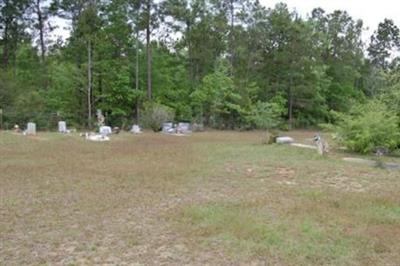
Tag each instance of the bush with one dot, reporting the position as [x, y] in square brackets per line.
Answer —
[155, 115]
[369, 126]
[267, 115]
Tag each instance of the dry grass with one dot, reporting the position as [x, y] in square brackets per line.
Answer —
[212, 198]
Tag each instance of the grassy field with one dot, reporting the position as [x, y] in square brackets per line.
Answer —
[216, 198]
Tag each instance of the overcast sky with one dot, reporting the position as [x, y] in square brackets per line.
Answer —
[370, 11]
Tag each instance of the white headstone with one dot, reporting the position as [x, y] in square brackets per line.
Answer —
[168, 128]
[284, 140]
[96, 137]
[31, 129]
[184, 128]
[62, 127]
[136, 129]
[105, 130]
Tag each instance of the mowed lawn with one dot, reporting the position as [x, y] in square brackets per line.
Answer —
[215, 198]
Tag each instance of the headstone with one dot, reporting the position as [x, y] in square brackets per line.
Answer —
[105, 130]
[284, 140]
[96, 137]
[168, 128]
[136, 129]
[183, 128]
[62, 127]
[31, 129]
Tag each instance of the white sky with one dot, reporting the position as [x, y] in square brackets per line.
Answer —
[371, 12]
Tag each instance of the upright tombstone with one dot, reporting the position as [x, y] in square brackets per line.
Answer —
[183, 128]
[62, 127]
[31, 129]
[105, 131]
[136, 129]
[168, 128]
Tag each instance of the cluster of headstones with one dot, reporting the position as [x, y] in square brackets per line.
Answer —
[180, 128]
[31, 128]
[168, 128]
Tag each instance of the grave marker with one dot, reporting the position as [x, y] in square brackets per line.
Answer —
[136, 129]
[31, 129]
[105, 130]
[168, 128]
[62, 127]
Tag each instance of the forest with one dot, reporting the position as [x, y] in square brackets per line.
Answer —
[230, 64]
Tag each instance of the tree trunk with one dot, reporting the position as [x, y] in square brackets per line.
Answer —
[5, 45]
[137, 77]
[89, 90]
[100, 80]
[231, 39]
[41, 30]
[190, 53]
[148, 48]
[41, 22]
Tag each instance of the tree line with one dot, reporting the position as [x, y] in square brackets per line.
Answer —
[223, 63]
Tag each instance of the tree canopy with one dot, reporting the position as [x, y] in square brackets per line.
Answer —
[222, 63]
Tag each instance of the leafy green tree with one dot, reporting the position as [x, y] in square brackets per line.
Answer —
[218, 100]
[268, 115]
[149, 21]
[222, 61]
[12, 25]
[383, 43]
[88, 27]
[155, 115]
[340, 47]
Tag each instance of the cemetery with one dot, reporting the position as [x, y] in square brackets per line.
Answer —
[150, 197]
[199, 132]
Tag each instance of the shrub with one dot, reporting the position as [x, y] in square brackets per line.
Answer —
[369, 126]
[267, 115]
[155, 115]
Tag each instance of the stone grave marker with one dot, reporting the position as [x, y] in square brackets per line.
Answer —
[136, 129]
[184, 128]
[284, 140]
[62, 127]
[31, 129]
[105, 130]
[168, 128]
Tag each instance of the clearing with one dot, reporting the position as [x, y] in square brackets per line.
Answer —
[216, 198]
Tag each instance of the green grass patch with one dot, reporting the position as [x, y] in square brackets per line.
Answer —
[253, 232]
